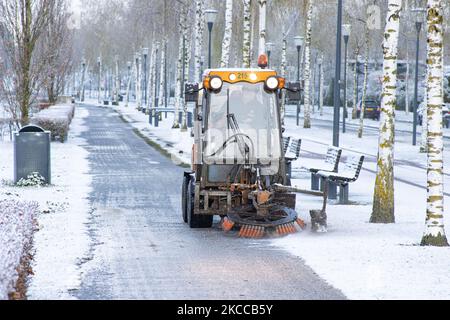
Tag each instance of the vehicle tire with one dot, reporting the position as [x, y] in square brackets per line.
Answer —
[184, 196]
[196, 221]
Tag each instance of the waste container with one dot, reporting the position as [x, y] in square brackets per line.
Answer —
[32, 153]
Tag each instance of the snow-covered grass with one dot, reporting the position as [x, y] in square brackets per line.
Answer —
[16, 234]
[62, 241]
[365, 261]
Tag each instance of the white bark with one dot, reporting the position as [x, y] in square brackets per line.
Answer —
[262, 26]
[116, 81]
[321, 84]
[226, 44]
[187, 58]
[178, 76]
[199, 23]
[161, 75]
[307, 70]
[138, 81]
[355, 86]
[383, 204]
[363, 99]
[424, 137]
[100, 91]
[152, 94]
[130, 79]
[246, 51]
[434, 230]
[407, 101]
[283, 74]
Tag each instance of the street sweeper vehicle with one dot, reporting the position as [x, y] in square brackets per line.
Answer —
[238, 161]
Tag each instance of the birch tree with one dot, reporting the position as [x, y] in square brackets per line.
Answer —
[383, 203]
[161, 74]
[307, 72]
[138, 81]
[262, 26]
[226, 44]
[321, 84]
[364, 95]
[355, 86]
[424, 137]
[434, 227]
[246, 48]
[199, 23]
[179, 75]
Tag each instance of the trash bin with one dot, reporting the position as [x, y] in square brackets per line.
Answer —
[32, 153]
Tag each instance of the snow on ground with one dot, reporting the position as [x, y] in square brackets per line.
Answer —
[365, 261]
[62, 240]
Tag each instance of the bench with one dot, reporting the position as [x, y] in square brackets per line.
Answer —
[348, 175]
[291, 149]
[331, 164]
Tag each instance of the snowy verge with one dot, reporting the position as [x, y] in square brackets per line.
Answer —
[16, 236]
[62, 242]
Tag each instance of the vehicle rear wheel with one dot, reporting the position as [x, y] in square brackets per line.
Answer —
[196, 221]
[184, 196]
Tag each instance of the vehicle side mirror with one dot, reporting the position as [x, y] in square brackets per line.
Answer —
[191, 92]
[294, 91]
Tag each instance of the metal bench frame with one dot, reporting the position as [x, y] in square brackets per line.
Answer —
[291, 148]
[333, 157]
[354, 165]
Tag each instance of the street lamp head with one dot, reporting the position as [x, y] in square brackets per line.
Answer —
[145, 51]
[99, 60]
[129, 64]
[346, 30]
[298, 41]
[211, 15]
[83, 62]
[270, 46]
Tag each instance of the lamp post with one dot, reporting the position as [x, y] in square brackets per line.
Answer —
[83, 66]
[99, 64]
[346, 30]
[299, 44]
[419, 22]
[129, 64]
[211, 16]
[145, 55]
[337, 78]
[320, 62]
[269, 47]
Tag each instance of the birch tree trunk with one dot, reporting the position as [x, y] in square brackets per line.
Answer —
[283, 74]
[434, 227]
[100, 81]
[246, 49]
[129, 80]
[199, 22]
[161, 74]
[138, 82]
[383, 203]
[226, 44]
[178, 76]
[116, 82]
[355, 87]
[321, 84]
[424, 137]
[185, 80]
[307, 107]
[152, 94]
[363, 99]
[262, 26]
[407, 102]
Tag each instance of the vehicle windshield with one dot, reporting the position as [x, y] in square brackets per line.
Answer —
[255, 112]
